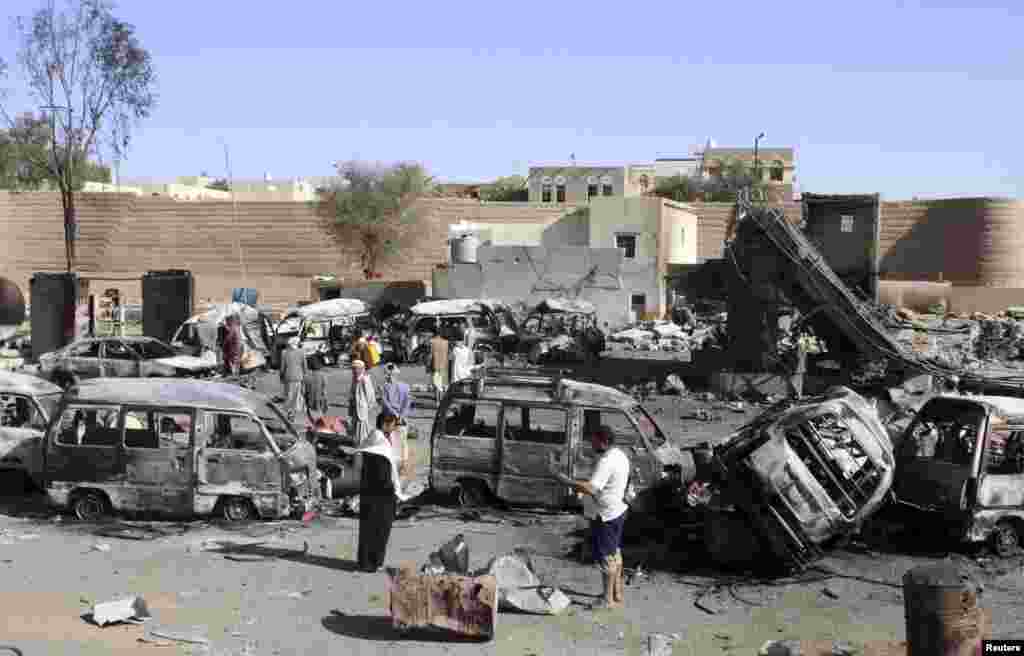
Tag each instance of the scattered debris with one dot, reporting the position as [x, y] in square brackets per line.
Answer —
[659, 644]
[195, 635]
[781, 648]
[451, 558]
[120, 610]
[828, 592]
[520, 589]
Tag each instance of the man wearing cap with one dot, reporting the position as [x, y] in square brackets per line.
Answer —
[362, 401]
[396, 399]
[293, 372]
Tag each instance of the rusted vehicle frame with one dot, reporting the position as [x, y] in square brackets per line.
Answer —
[341, 316]
[806, 472]
[121, 357]
[513, 465]
[21, 437]
[179, 447]
[972, 483]
[579, 318]
[413, 345]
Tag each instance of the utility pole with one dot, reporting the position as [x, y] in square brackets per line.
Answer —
[234, 213]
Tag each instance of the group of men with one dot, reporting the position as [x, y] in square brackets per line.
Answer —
[450, 360]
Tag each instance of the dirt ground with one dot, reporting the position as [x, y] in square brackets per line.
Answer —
[290, 588]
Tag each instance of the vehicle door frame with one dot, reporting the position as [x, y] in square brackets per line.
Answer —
[37, 409]
[560, 493]
[59, 487]
[445, 479]
[104, 367]
[78, 363]
[182, 457]
[206, 494]
[977, 512]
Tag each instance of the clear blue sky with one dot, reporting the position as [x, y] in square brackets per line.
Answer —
[919, 99]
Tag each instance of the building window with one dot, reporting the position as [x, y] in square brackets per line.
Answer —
[644, 183]
[777, 171]
[846, 223]
[560, 193]
[591, 191]
[545, 193]
[628, 244]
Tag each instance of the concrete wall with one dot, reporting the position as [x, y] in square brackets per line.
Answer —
[531, 274]
[639, 216]
[284, 245]
[679, 234]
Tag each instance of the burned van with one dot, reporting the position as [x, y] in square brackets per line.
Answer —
[961, 461]
[325, 329]
[26, 405]
[176, 447]
[495, 433]
[807, 471]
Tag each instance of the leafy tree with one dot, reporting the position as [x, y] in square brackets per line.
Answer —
[25, 147]
[220, 184]
[374, 208]
[511, 188]
[88, 70]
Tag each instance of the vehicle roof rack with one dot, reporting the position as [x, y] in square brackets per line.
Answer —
[546, 377]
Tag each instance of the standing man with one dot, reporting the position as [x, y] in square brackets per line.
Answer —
[232, 346]
[462, 361]
[396, 399]
[293, 373]
[607, 488]
[438, 364]
[315, 389]
[361, 403]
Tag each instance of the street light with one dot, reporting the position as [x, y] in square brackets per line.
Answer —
[757, 169]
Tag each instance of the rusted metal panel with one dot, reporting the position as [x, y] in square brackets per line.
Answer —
[464, 605]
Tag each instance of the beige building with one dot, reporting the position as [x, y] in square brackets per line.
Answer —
[196, 188]
[576, 184]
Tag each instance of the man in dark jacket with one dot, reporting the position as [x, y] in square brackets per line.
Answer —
[232, 345]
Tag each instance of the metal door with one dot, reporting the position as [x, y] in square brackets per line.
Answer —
[234, 458]
[158, 460]
[532, 438]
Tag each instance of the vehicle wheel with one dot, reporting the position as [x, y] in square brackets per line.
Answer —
[236, 509]
[90, 506]
[1006, 539]
[472, 494]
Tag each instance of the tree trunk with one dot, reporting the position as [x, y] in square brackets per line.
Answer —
[70, 228]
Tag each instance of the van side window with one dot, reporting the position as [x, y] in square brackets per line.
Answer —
[89, 426]
[154, 429]
[626, 434]
[18, 411]
[469, 419]
[540, 425]
[234, 432]
[1005, 458]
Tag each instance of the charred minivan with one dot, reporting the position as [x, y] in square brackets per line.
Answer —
[179, 447]
[961, 460]
[26, 405]
[495, 433]
[805, 472]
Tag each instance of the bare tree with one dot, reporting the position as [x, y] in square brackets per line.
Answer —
[93, 79]
[373, 207]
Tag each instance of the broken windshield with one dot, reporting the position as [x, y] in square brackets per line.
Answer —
[282, 432]
[946, 431]
[648, 427]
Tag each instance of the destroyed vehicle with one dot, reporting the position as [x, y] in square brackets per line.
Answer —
[805, 472]
[203, 334]
[179, 448]
[493, 325]
[130, 357]
[325, 329]
[961, 462]
[26, 405]
[561, 329]
[495, 433]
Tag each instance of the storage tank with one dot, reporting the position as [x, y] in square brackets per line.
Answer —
[464, 249]
[1001, 244]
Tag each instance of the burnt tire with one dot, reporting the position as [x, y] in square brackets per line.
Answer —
[472, 494]
[90, 506]
[236, 509]
[1006, 539]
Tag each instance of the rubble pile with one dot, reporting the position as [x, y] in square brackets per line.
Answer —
[959, 342]
[671, 337]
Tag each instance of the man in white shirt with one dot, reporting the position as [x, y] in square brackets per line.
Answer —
[607, 487]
